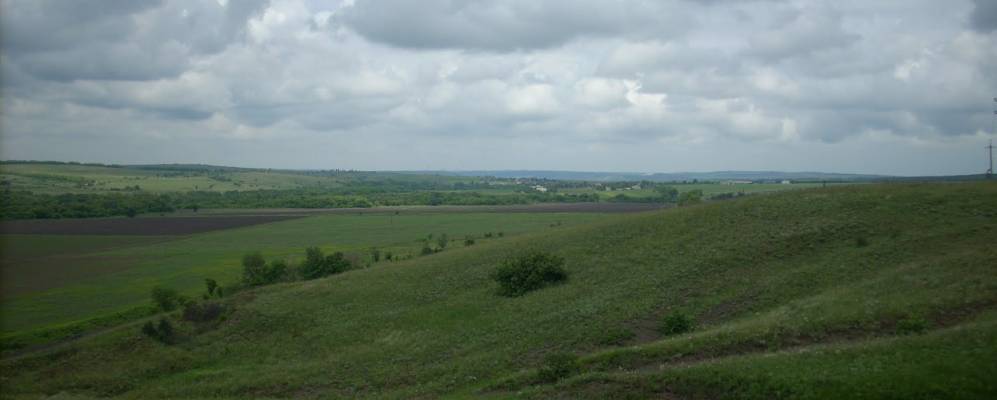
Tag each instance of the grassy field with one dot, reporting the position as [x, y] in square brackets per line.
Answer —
[63, 178]
[870, 291]
[56, 279]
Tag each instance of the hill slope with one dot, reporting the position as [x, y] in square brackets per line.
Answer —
[798, 295]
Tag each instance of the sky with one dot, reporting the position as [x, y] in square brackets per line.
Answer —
[902, 87]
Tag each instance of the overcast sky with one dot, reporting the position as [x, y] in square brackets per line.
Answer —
[896, 87]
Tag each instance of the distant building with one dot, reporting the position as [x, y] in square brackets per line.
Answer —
[737, 182]
[540, 189]
[786, 181]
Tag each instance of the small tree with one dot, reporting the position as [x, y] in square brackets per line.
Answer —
[468, 242]
[375, 254]
[166, 299]
[442, 241]
[691, 197]
[253, 268]
[211, 285]
[667, 194]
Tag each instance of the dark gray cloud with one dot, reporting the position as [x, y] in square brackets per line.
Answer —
[117, 40]
[508, 25]
[984, 15]
[621, 85]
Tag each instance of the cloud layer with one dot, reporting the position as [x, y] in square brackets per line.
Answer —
[852, 86]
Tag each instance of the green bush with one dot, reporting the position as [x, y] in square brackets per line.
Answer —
[317, 265]
[468, 242]
[211, 286]
[912, 325]
[256, 272]
[861, 242]
[557, 366]
[166, 299]
[676, 323]
[202, 312]
[691, 197]
[529, 271]
[163, 332]
[426, 250]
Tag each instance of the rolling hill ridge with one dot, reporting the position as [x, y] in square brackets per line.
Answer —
[866, 291]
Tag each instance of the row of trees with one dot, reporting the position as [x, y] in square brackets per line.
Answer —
[28, 205]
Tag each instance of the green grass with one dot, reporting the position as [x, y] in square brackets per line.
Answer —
[786, 301]
[90, 276]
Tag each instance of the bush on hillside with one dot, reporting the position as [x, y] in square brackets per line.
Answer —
[528, 272]
[163, 332]
[167, 299]
[912, 325]
[202, 312]
[557, 366]
[318, 265]
[691, 197]
[676, 323]
[256, 272]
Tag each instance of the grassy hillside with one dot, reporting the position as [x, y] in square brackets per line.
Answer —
[49, 280]
[873, 291]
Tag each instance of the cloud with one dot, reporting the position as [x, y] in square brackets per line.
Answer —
[506, 84]
[984, 16]
[505, 26]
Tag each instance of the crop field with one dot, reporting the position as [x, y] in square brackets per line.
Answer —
[60, 278]
[136, 226]
[866, 291]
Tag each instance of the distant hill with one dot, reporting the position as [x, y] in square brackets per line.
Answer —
[664, 177]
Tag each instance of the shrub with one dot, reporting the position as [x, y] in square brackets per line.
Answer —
[861, 242]
[488, 235]
[617, 336]
[317, 266]
[442, 241]
[256, 272]
[557, 366]
[426, 250]
[166, 299]
[468, 242]
[388, 256]
[691, 197]
[375, 254]
[253, 269]
[202, 312]
[501, 234]
[912, 325]
[211, 285]
[162, 332]
[527, 272]
[676, 323]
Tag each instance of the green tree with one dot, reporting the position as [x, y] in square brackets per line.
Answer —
[254, 269]
[691, 197]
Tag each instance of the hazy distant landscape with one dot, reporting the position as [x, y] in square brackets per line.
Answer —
[502, 199]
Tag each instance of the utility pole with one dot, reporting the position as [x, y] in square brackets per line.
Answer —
[990, 147]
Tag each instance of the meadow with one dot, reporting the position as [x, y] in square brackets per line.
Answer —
[867, 291]
[50, 281]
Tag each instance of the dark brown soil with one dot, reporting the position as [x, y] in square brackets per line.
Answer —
[135, 226]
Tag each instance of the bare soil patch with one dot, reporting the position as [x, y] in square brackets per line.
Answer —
[136, 226]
